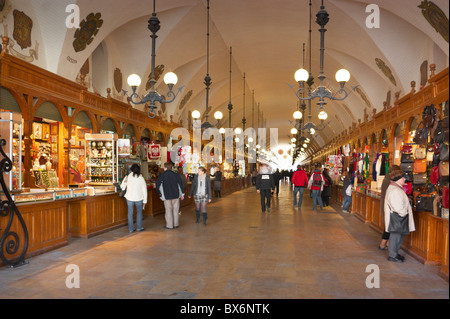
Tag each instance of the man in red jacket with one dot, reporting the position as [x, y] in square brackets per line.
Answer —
[300, 181]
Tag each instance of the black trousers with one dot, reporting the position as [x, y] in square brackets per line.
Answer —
[277, 188]
[265, 198]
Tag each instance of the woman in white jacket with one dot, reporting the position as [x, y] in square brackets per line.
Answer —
[136, 195]
[396, 201]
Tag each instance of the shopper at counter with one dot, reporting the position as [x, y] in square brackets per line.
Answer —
[384, 186]
[170, 189]
[345, 192]
[201, 190]
[397, 202]
[136, 195]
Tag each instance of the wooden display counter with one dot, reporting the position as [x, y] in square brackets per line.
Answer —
[46, 223]
[428, 244]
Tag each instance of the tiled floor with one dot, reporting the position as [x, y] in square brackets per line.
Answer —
[241, 253]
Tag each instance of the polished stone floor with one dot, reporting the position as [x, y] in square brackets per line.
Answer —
[241, 253]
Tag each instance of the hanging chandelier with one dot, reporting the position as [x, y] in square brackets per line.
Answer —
[302, 76]
[170, 78]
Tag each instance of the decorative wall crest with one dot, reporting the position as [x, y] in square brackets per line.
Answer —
[185, 99]
[22, 29]
[386, 70]
[363, 96]
[435, 17]
[423, 73]
[118, 78]
[89, 28]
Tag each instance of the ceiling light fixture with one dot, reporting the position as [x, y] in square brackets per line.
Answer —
[170, 78]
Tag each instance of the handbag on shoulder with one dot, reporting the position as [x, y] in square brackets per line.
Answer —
[398, 224]
[123, 191]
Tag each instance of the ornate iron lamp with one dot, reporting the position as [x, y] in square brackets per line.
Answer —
[170, 78]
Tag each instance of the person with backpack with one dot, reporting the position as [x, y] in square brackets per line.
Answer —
[316, 183]
[326, 193]
[300, 181]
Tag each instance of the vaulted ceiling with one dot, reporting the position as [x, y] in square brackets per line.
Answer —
[266, 37]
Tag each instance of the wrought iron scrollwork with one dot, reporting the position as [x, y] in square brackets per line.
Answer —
[10, 241]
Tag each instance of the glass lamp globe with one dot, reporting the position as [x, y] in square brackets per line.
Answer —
[218, 115]
[298, 115]
[305, 145]
[294, 131]
[302, 149]
[258, 146]
[250, 139]
[313, 131]
[237, 140]
[342, 75]
[170, 78]
[222, 130]
[134, 80]
[238, 130]
[293, 140]
[196, 114]
[301, 75]
[323, 115]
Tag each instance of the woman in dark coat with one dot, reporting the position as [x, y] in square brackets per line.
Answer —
[326, 193]
[217, 184]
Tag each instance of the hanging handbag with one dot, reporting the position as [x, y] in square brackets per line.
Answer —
[420, 166]
[443, 152]
[407, 167]
[419, 179]
[420, 153]
[407, 187]
[445, 198]
[429, 115]
[407, 158]
[408, 177]
[424, 203]
[421, 134]
[434, 176]
[439, 134]
[443, 169]
[407, 149]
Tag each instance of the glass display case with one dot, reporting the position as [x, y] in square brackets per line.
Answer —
[100, 190]
[79, 192]
[11, 131]
[101, 159]
[62, 193]
[34, 195]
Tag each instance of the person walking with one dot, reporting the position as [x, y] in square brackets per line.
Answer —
[201, 190]
[184, 182]
[346, 192]
[170, 189]
[254, 174]
[384, 186]
[326, 193]
[264, 186]
[300, 181]
[276, 179]
[315, 184]
[398, 216]
[217, 184]
[136, 195]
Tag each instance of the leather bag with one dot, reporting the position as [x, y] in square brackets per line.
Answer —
[407, 149]
[407, 158]
[443, 152]
[398, 224]
[420, 166]
[443, 169]
[420, 153]
[424, 203]
[420, 179]
[124, 191]
[429, 115]
[407, 167]
[407, 187]
[445, 199]
[421, 135]
[409, 177]
[439, 134]
[434, 176]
